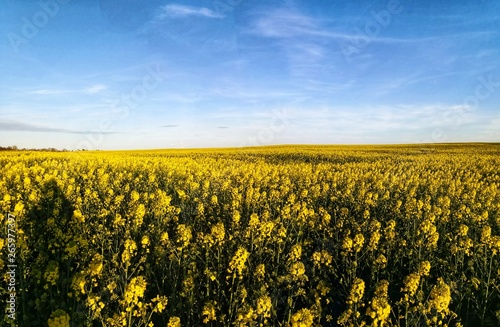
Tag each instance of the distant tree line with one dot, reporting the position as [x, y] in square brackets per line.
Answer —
[15, 148]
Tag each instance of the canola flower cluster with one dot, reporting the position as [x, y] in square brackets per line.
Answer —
[271, 236]
[59, 319]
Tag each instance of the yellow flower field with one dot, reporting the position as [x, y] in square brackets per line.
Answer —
[267, 236]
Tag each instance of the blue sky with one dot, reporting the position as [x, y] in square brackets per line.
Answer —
[130, 74]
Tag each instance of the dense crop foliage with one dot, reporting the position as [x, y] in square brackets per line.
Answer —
[273, 236]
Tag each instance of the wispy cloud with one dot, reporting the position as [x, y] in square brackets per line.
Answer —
[382, 119]
[16, 126]
[182, 11]
[97, 88]
[286, 24]
[169, 126]
[93, 89]
[308, 43]
[50, 92]
[247, 93]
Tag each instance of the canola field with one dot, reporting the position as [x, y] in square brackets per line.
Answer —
[266, 236]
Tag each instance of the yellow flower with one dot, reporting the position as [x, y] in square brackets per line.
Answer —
[182, 195]
[184, 235]
[19, 209]
[266, 229]
[374, 240]
[485, 234]
[381, 261]
[325, 216]
[254, 220]
[208, 312]
[59, 318]
[187, 286]
[135, 290]
[295, 253]
[260, 271]
[218, 233]
[359, 240]
[78, 283]
[440, 296]
[210, 274]
[475, 283]
[347, 244]
[52, 273]
[245, 316]
[297, 270]
[145, 241]
[425, 268]
[236, 217]
[357, 291]
[243, 294]
[94, 304]
[161, 303]
[411, 283]
[174, 322]
[322, 257]
[462, 230]
[389, 232]
[134, 196]
[495, 244]
[264, 306]
[281, 234]
[238, 262]
[78, 216]
[164, 238]
[323, 288]
[118, 220]
[96, 265]
[379, 310]
[129, 251]
[302, 318]
[111, 287]
[139, 215]
[200, 209]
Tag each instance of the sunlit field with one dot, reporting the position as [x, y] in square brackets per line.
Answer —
[265, 236]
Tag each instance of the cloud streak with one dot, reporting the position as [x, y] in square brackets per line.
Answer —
[182, 11]
[287, 24]
[16, 126]
[93, 89]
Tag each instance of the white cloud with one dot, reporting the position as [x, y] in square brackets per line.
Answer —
[97, 88]
[489, 129]
[49, 92]
[181, 11]
[93, 89]
[286, 24]
[18, 126]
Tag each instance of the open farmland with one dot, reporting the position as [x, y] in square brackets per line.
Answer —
[270, 236]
